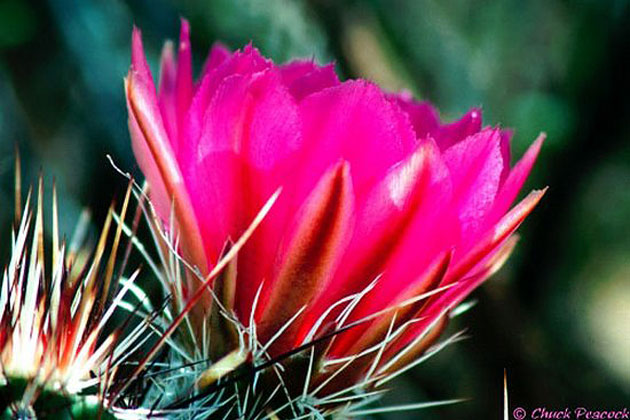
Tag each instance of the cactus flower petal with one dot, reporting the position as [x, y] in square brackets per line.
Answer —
[388, 217]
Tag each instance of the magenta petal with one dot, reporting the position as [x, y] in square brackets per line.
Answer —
[432, 231]
[353, 121]
[318, 79]
[401, 226]
[166, 93]
[253, 116]
[215, 186]
[259, 256]
[150, 139]
[294, 70]
[168, 72]
[384, 216]
[476, 165]
[450, 134]
[218, 54]
[374, 187]
[424, 118]
[253, 122]
[139, 65]
[184, 81]
[245, 62]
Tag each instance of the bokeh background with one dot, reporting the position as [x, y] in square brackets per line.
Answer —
[557, 317]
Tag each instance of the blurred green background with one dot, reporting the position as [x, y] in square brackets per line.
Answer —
[557, 317]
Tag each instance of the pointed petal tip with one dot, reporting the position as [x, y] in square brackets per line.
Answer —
[475, 114]
[139, 67]
[131, 80]
[312, 252]
[168, 48]
[330, 65]
[533, 150]
[527, 204]
[137, 50]
[344, 168]
[220, 45]
[135, 31]
[501, 256]
[252, 53]
[184, 33]
[537, 144]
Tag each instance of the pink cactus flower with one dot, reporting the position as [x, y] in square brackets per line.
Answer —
[378, 195]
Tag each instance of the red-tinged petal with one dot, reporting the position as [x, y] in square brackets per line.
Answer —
[438, 307]
[424, 118]
[151, 144]
[168, 70]
[259, 255]
[450, 134]
[387, 211]
[355, 122]
[310, 253]
[362, 337]
[415, 348]
[476, 165]
[495, 236]
[432, 231]
[383, 219]
[139, 65]
[159, 196]
[141, 88]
